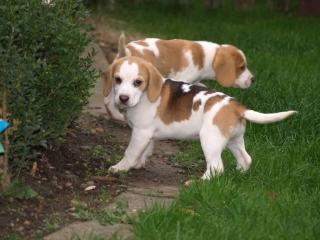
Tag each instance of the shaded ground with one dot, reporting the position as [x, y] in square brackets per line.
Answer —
[67, 168]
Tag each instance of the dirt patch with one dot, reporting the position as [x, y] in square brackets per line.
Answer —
[106, 36]
[90, 146]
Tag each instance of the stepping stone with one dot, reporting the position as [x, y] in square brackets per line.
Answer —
[96, 105]
[139, 199]
[91, 230]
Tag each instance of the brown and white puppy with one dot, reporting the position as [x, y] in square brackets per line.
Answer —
[166, 109]
[188, 61]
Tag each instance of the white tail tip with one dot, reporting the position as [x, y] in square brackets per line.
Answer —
[262, 118]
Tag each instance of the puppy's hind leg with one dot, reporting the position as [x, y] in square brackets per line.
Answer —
[237, 147]
[212, 143]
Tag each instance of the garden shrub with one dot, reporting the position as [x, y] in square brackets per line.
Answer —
[42, 70]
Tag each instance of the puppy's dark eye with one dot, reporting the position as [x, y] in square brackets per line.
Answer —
[118, 80]
[137, 83]
[243, 67]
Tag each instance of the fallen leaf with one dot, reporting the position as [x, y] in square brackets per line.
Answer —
[90, 188]
[272, 195]
[34, 169]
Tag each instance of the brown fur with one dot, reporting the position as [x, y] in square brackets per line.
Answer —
[154, 83]
[176, 106]
[228, 117]
[196, 105]
[212, 101]
[142, 43]
[171, 55]
[227, 65]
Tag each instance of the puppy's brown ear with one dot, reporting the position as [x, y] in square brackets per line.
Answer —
[224, 67]
[107, 80]
[154, 83]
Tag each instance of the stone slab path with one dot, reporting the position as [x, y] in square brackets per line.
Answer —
[157, 184]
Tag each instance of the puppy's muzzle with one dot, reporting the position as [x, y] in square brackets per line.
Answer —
[124, 99]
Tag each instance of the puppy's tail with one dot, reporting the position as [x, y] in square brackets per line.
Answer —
[122, 46]
[264, 118]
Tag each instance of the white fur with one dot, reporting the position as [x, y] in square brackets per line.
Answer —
[244, 80]
[186, 88]
[151, 46]
[128, 73]
[190, 73]
[263, 118]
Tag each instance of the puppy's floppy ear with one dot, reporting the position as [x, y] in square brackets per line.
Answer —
[154, 83]
[107, 80]
[224, 67]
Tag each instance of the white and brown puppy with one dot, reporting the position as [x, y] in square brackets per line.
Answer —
[188, 61]
[166, 109]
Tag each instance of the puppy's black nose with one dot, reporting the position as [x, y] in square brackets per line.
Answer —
[253, 79]
[124, 98]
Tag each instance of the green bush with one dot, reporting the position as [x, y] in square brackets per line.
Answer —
[41, 69]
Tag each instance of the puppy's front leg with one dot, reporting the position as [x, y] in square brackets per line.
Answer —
[111, 108]
[139, 141]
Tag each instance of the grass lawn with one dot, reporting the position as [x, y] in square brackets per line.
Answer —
[279, 197]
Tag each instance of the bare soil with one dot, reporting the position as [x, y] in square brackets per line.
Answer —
[68, 166]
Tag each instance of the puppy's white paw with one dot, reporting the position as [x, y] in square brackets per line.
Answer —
[118, 116]
[118, 168]
[188, 182]
[114, 113]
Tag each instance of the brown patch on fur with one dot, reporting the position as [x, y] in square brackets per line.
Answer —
[196, 105]
[155, 83]
[228, 117]
[228, 65]
[141, 42]
[212, 101]
[176, 105]
[171, 55]
[197, 55]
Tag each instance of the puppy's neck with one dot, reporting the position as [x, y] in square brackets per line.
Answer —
[142, 114]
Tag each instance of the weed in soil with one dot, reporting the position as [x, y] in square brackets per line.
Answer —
[19, 190]
[37, 205]
[103, 216]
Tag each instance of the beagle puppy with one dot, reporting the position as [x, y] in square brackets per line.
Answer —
[188, 61]
[165, 109]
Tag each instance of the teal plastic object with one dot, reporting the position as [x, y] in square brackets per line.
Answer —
[3, 125]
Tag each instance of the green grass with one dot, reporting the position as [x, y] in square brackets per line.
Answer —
[102, 215]
[279, 197]
[19, 190]
[12, 237]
